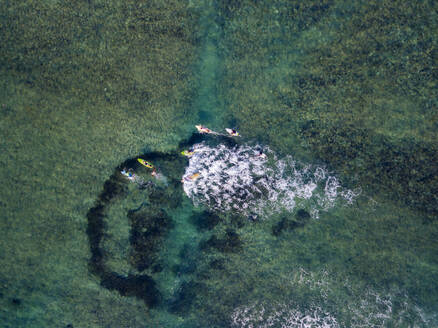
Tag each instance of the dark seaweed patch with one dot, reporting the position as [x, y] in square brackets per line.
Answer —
[239, 221]
[285, 224]
[16, 301]
[188, 262]
[112, 188]
[182, 302]
[95, 231]
[147, 232]
[149, 227]
[230, 243]
[302, 216]
[218, 264]
[140, 286]
[205, 221]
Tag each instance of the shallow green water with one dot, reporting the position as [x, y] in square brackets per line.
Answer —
[336, 227]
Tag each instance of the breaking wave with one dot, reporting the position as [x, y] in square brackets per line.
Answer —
[259, 316]
[364, 306]
[362, 310]
[254, 181]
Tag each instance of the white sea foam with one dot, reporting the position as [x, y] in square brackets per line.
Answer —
[377, 310]
[365, 307]
[281, 315]
[362, 307]
[238, 178]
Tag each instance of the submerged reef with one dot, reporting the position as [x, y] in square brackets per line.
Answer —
[149, 225]
[229, 243]
[286, 224]
[205, 220]
[182, 302]
[147, 231]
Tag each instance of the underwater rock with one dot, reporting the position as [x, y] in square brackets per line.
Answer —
[187, 263]
[285, 224]
[218, 264]
[156, 268]
[302, 215]
[16, 301]
[205, 221]
[112, 188]
[186, 267]
[95, 232]
[280, 226]
[147, 231]
[164, 197]
[141, 286]
[158, 197]
[231, 243]
[149, 226]
[239, 221]
[182, 302]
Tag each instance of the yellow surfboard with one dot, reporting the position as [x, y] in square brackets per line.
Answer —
[145, 163]
[232, 132]
[187, 153]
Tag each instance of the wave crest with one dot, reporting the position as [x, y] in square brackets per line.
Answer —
[239, 178]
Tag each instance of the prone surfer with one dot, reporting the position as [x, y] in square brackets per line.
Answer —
[128, 173]
[232, 132]
[192, 177]
[203, 129]
[261, 154]
[189, 152]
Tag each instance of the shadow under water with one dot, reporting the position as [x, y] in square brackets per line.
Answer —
[148, 227]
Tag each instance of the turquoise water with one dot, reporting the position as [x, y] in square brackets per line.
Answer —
[322, 213]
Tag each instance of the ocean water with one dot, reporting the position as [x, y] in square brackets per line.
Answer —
[321, 213]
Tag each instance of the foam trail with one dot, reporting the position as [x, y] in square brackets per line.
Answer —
[366, 307]
[244, 179]
[281, 315]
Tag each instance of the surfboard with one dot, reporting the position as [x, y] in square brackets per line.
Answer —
[232, 133]
[187, 153]
[145, 163]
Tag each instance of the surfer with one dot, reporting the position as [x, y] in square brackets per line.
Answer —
[149, 165]
[128, 173]
[232, 132]
[189, 152]
[145, 163]
[192, 177]
[261, 154]
[203, 129]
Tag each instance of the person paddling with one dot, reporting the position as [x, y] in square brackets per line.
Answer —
[203, 129]
[192, 177]
[232, 132]
[128, 173]
[189, 152]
